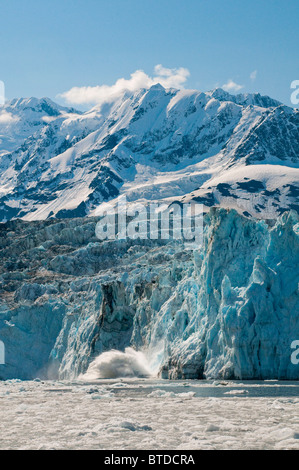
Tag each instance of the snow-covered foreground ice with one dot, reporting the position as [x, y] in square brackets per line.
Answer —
[148, 414]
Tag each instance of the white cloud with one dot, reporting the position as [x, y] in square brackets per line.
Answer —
[253, 75]
[169, 78]
[48, 119]
[7, 118]
[232, 86]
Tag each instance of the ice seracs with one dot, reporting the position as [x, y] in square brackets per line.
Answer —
[226, 310]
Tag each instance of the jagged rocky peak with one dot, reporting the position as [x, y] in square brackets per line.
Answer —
[245, 99]
[157, 87]
[38, 105]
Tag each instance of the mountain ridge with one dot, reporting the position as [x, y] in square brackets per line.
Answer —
[153, 145]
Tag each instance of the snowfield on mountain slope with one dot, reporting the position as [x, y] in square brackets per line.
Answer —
[157, 415]
[55, 161]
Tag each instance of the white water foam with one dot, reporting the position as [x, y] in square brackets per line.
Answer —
[114, 364]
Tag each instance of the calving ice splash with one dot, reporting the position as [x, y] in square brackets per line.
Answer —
[114, 364]
[133, 364]
[140, 364]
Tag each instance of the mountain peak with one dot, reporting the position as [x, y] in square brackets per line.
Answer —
[245, 99]
[44, 105]
[220, 94]
[157, 86]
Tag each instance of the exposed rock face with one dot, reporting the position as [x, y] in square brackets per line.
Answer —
[228, 309]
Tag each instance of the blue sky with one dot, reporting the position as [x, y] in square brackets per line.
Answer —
[50, 46]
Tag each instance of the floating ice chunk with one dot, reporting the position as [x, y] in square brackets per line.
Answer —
[165, 394]
[161, 394]
[119, 424]
[212, 428]
[237, 392]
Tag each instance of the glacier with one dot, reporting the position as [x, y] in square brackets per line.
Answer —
[227, 309]
[155, 144]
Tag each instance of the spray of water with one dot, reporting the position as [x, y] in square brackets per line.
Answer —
[115, 364]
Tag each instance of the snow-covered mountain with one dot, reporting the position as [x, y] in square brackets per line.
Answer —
[227, 308]
[159, 144]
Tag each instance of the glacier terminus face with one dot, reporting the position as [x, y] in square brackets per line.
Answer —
[228, 309]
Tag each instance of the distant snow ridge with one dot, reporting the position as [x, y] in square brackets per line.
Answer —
[237, 152]
[227, 310]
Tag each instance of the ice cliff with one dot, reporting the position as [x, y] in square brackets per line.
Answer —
[227, 309]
